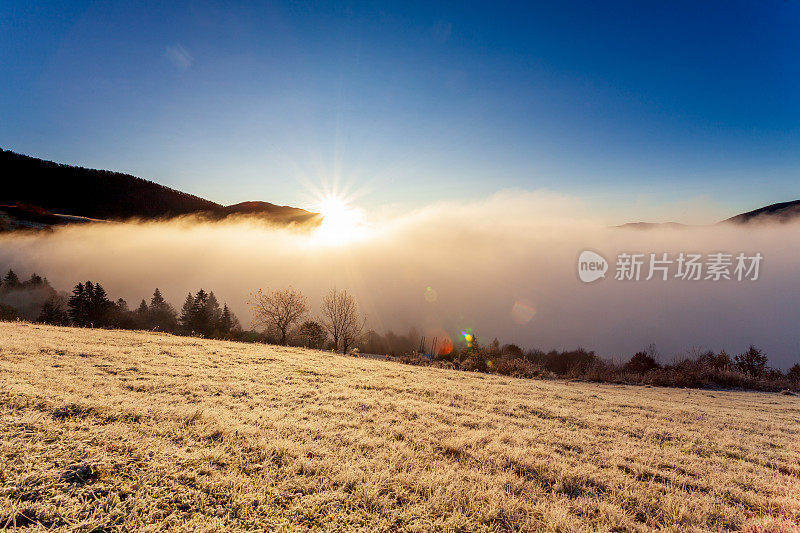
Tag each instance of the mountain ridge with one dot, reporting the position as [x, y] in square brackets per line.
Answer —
[40, 188]
[780, 212]
[40, 193]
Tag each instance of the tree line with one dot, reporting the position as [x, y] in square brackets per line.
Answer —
[697, 369]
[89, 305]
[280, 316]
[284, 317]
[339, 325]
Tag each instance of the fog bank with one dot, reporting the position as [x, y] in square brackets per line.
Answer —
[505, 267]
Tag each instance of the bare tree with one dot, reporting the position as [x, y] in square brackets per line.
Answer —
[341, 318]
[279, 309]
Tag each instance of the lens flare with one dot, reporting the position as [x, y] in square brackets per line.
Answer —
[437, 341]
[431, 295]
[469, 338]
[522, 312]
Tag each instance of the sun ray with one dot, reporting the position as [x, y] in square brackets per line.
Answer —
[341, 222]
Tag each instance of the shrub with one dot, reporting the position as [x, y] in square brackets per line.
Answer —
[518, 367]
[641, 363]
[794, 373]
[512, 350]
[753, 362]
[722, 361]
[572, 363]
[8, 313]
[476, 361]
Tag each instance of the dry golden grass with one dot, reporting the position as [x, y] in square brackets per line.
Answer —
[115, 430]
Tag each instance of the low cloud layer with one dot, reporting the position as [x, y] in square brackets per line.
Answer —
[506, 268]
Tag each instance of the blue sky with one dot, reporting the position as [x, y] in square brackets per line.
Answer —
[654, 104]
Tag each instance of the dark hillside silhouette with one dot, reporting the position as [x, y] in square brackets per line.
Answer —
[90, 193]
[35, 190]
[279, 213]
[782, 212]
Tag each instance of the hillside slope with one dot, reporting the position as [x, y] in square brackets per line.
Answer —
[781, 212]
[121, 430]
[101, 194]
[70, 190]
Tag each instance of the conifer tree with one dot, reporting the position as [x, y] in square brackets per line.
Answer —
[228, 323]
[213, 313]
[79, 305]
[162, 315]
[89, 305]
[53, 312]
[10, 281]
[157, 301]
[100, 306]
[34, 281]
[188, 314]
[225, 324]
[201, 321]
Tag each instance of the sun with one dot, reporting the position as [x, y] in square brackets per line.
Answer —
[341, 223]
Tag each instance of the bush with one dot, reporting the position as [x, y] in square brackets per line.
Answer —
[572, 363]
[794, 373]
[512, 350]
[753, 362]
[476, 361]
[721, 361]
[8, 313]
[641, 363]
[518, 367]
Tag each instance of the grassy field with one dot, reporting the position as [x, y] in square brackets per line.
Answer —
[116, 430]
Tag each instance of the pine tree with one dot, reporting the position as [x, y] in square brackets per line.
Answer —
[142, 310]
[187, 319]
[213, 314]
[10, 281]
[201, 318]
[162, 315]
[34, 281]
[227, 323]
[100, 306]
[89, 305]
[157, 301]
[53, 312]
[79, 306]
[224, 325]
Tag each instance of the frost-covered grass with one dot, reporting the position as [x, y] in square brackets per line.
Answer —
[120, 430]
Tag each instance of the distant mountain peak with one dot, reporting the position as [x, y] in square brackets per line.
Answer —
[780, 212]
[652, 225]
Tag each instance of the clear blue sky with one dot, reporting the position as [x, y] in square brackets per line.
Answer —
[414, 103]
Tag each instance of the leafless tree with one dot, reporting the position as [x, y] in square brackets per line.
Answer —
[341, 318]
[278, 310]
